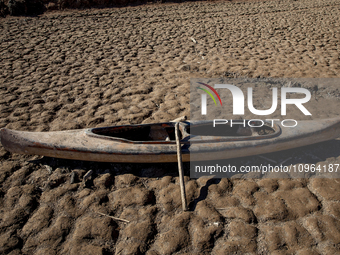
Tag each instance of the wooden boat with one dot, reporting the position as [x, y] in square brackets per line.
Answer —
[156, 142]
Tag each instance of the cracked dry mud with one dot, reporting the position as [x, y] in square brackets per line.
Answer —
[78, 69]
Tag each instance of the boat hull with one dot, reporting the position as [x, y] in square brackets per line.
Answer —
[87, 145]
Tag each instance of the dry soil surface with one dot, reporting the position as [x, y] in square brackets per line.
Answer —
[78, 69]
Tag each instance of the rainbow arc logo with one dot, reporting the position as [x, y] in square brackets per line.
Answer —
[209, 93]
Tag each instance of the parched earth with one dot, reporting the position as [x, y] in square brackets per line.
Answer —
[92, 68]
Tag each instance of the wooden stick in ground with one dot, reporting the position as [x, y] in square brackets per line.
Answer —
[180, 167]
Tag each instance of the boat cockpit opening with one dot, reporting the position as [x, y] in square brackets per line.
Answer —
[165, 132]
[155, 132]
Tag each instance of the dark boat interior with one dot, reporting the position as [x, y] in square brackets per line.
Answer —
[154, 132]
[166, 131]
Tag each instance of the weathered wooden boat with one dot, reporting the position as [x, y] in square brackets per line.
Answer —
[156, 142]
